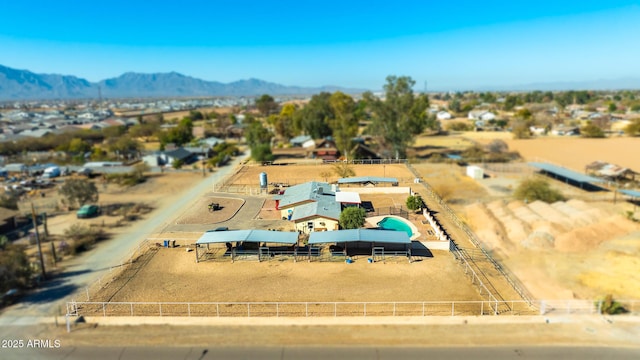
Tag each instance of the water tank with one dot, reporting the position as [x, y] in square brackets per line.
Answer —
[263, 180]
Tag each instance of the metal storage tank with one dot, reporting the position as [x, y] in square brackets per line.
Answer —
[263, 180]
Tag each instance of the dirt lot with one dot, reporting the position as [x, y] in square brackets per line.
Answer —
[173, 275]
[298, 174]
[575, 152]
[200, 214]
[157, 191]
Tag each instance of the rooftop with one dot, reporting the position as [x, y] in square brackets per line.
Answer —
[368, 235]
[266, 236]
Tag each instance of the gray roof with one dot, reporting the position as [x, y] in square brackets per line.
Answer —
[365, 179]
[324, 206]
[303, 193]
[300, 139]
[179, 153]
[566, 173]
[368, 235]
[280, 237]
[633, 193]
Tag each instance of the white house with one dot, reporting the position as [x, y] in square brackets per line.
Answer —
[481, 115]
[443, 115]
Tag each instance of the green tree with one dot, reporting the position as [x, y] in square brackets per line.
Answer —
[79, 146]
[591, 131]
[312, 119]
[283, 123]
[455, 106]
[78, 192]
[510, 102]
[352, 218]
[612, 107]
[257, 134]
[415, 202]
[344, 124]
[533, 189]
[401, 116]
[262, 152]
[266, 104]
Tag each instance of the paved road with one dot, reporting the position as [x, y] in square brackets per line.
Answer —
[309, 353]
[86, 269]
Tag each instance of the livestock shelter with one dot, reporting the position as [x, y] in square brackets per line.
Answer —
[262, 244]
[368, 181]
[634, 197]
[378, 243]
[585, 182]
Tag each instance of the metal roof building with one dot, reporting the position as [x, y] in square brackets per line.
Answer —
[567, 174]
[365, 235]
[250, 236]
[348, 197]
[367, 179]
[632, 193]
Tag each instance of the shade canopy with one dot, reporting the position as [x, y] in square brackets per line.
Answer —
[266, 236]
[366, 235]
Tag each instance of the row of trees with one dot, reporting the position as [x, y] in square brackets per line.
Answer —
[393, 122]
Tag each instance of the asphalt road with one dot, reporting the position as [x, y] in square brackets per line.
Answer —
[310, 353]
[82, 271]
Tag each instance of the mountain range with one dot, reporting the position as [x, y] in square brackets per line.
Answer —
[25, 85]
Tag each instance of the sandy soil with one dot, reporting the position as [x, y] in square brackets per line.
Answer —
[575, 153]
[298, 174]
[173, 275]
[199, 213]
[564, 250]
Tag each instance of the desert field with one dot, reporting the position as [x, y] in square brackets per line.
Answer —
[575, 152]
[171, 274]
[298, 174]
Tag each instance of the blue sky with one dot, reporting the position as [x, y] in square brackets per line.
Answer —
[452, 45]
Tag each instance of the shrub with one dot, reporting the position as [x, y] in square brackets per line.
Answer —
[352, 218]
[415, 202]
[611, 307]
[537, 189]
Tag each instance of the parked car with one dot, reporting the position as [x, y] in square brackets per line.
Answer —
[88, 211]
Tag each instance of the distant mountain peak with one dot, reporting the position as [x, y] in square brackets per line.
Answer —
[26, 85]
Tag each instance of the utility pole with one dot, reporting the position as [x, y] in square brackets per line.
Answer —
[35, 226]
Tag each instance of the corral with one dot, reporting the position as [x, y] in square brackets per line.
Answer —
[171, 274]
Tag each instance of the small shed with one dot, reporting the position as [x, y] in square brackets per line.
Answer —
[475, 172]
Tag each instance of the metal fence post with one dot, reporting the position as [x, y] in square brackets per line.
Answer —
[160, 306]
[365, 309]
[248, 309]
[452, 305]
[217, 310]
[104, 312]
[189, 309]
[131, 308]
[306, 309]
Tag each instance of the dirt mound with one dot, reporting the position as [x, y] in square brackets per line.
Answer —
[486, 227]
[516, 230]
[550, 214]
[538, 240]
[589, 237]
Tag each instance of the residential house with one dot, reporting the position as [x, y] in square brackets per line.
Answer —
[326, 149]
[299, 141]
[482, 115]
[361, 151]
[312, 206]
[443, 115]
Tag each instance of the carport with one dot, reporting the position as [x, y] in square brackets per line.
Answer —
[240, 237]
[377, 240]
